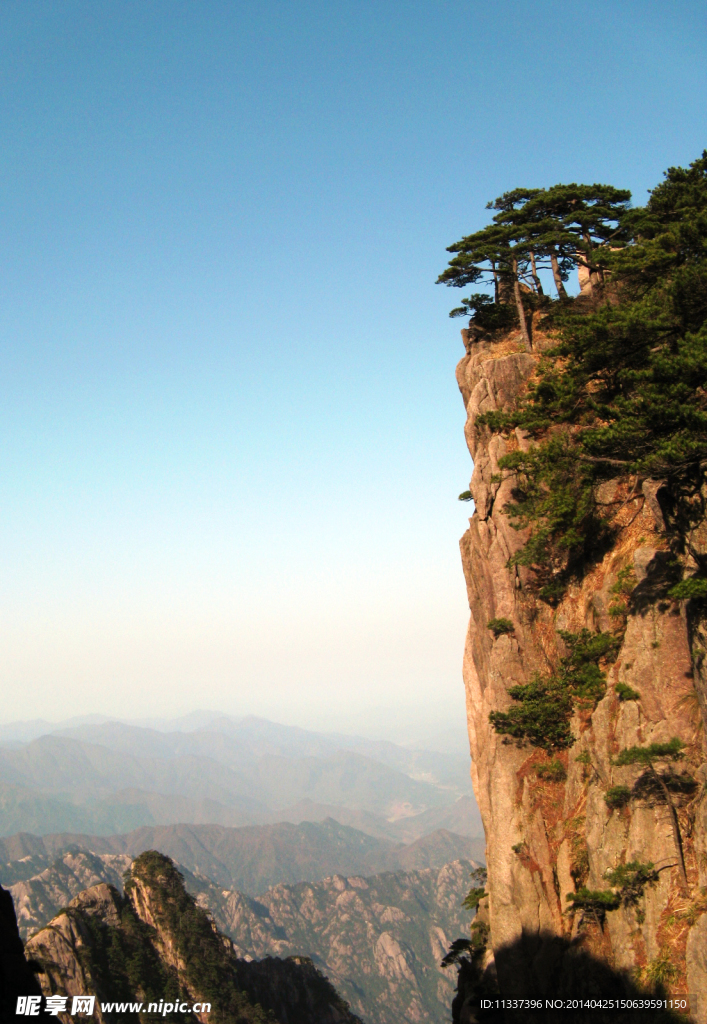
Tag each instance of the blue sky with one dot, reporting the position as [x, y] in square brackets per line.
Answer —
[232, 441]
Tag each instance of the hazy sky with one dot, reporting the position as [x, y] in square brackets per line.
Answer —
[231, 436]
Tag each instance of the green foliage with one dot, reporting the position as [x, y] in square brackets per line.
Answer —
[625, 581]
[579, 669]
[487, 314]
[554, 497]
[471, 949]
[617, 796]
[623, 588]
[542, 715]
[626, 692]
[551, 771]
[545, 705]
[584, 758]
[500, 626]
[671, 751]
[692, 589]
[466, 496]
[208, 968]
[631, 880]
[459, 948]
[124, 962]
[625, 390]
[477, 891]
[596, 901]
[662, 970]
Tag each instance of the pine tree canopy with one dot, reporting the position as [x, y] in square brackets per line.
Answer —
[624, 391]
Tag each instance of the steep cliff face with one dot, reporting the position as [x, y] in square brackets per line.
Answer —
[551, 829]
[155, 945]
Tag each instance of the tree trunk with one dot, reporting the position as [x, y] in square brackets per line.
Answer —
[536, 280]
[595, 276]
[675, 827]
[519, 306]
[496, 293]
[559, 284]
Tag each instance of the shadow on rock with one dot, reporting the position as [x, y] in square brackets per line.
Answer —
[16, 976]
[576, 988]
[662, 573]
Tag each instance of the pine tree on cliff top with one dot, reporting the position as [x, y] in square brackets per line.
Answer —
[565, 225]
[625, 389]
[569, 225]
[496, 254]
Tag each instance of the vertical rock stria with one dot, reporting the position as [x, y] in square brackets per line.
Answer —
[550, 836]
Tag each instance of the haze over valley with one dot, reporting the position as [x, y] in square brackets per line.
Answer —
[353, 852]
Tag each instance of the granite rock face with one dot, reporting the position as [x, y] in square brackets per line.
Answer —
[379, 940]
[38, 898]
[546, 838]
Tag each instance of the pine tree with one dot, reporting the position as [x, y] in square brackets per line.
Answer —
[492, 253]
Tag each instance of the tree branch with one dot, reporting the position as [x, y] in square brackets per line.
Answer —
[601, 458]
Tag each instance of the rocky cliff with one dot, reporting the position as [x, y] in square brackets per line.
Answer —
[155, 945]
[561, 824]
[379, 940]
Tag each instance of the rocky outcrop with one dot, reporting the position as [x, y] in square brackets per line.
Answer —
[65, 949]
[155, 944]
[38, 898]
[546, 838]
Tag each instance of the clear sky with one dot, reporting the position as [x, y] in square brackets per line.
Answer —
[231, 436]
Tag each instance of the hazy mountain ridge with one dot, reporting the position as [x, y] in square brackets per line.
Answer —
[109, 777]
[45, 873]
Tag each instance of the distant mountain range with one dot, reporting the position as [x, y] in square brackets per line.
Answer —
[109, 777]
[44, 873]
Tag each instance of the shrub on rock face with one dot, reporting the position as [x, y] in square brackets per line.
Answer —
[499, 627]
[551, 771]
[617, 796]
[631, 880]
[545, 705]
[626, 692]
[597, 902]
[541, 716]
[477, 891]
[659, 782]
[692, 589]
